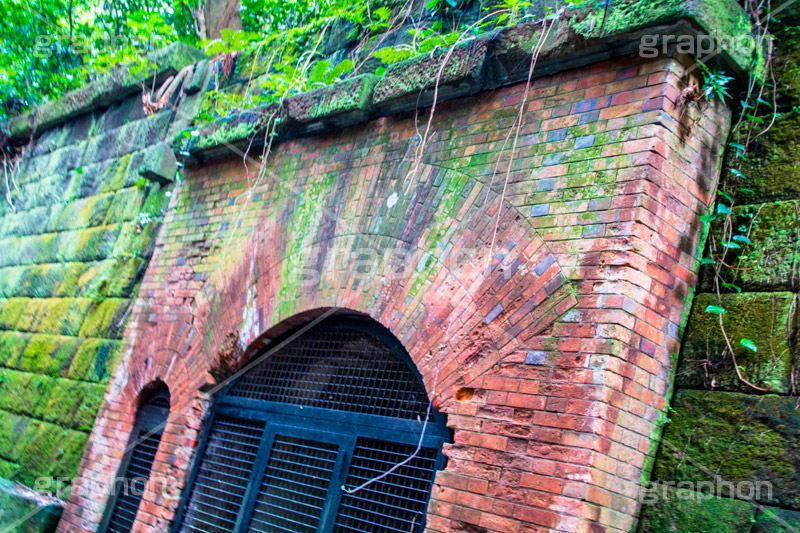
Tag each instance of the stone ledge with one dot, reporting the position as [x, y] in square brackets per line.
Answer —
[580, 37]
[117, 85]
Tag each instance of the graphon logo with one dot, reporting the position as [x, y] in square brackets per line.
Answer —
[701, 46]
[702, 490]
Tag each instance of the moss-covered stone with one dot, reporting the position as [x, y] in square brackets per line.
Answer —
[115, 86]
[11, 310]
[684, 510]
[352, 96]
[725, 20]
[12, 429]
[773, 164]
[12, 343]
[767, 319]
[105, 319]
[57, 316]
[93, 360]
[772, 260]
[50, 450]
[738, 437]
[158, 163]
[776, 520]
[403, 81]
[48, 354]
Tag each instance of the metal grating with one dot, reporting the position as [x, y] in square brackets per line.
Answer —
[131, 488]
[396, 502]
[337, 368]
[222, 476]
[295, 486]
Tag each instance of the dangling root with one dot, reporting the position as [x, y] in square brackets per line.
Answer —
[165, 92]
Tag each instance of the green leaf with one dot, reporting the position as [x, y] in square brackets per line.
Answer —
[741, 238]
[707, 218]
[380, 71]
[747, 343]
[730, 245]
[731, 286]
[738, 173]
[431, 4]
[724, 209]
[707, 261]
[715, 309]
[726, 196]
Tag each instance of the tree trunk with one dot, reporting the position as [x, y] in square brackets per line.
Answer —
[221, 14]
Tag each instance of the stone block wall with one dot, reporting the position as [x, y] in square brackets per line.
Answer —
[730, 445]
[75, 244]
[562, 283]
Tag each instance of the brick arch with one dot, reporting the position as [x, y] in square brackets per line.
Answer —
[500, 307]
[423, 285]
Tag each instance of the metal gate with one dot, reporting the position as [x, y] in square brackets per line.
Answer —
[335, 407]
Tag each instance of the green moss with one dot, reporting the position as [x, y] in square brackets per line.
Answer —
[683, 510]
[86, 245]
[48, 354]
[82, 213]
[13, 387]
[92, 360]
[126, 205]
[772, 260]
[22, 511]
[776, 520]
[725, 20]
[50, 450]
[91, 402]
[738, 437]
[767, 319]
[62, 403]
[105, 319]
[11, 311]
[351, 95]
[12, 343]
[8, 469]
[773, 165]
[57, 316]
[405, 79]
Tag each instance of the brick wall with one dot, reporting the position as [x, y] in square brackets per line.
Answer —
[562, 289]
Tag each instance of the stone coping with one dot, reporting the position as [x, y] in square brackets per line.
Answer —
[586, 33]
[116, 86]
[493, 60]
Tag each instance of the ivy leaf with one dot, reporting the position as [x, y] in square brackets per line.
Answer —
[731, 286]
[726, 196]
[431, 4]
[747, 343]
[738, 173]
[730, 245]
[707, 261]
[747, 190]
[715, 309]
[724, 209]
[741, 238]
[705, 219]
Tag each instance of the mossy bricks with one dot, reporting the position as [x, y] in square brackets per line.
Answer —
[741, 438]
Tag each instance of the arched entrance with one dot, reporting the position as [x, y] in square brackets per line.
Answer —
[333, 430]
